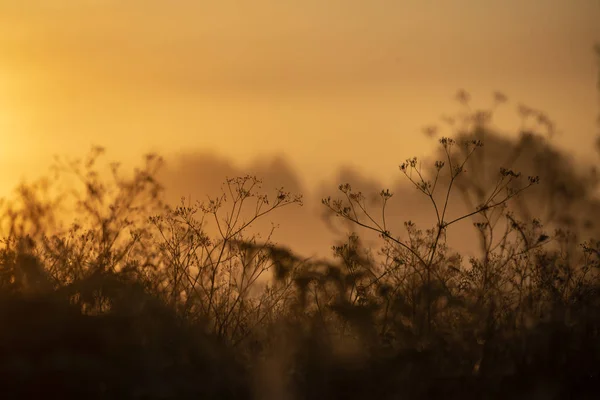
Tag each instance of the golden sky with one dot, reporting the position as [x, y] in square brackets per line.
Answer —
[325, 82]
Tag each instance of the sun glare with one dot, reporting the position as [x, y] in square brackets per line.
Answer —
[7, 148]
[6, 139]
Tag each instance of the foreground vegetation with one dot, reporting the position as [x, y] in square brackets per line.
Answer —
[134, 298]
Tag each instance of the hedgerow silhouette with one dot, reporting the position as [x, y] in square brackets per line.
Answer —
[134, 298]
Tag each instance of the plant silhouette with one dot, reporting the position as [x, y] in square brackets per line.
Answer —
[108, 291]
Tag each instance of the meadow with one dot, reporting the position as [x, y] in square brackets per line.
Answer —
[107, 290]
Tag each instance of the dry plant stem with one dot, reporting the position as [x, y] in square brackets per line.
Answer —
[356, 203]
[218, 274]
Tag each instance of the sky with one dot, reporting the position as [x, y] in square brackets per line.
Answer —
[321, 84]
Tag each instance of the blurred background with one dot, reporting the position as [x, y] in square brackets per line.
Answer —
[303, 93]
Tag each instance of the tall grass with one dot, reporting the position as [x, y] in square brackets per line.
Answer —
[107, 292]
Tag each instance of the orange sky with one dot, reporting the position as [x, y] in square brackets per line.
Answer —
[324, 82]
